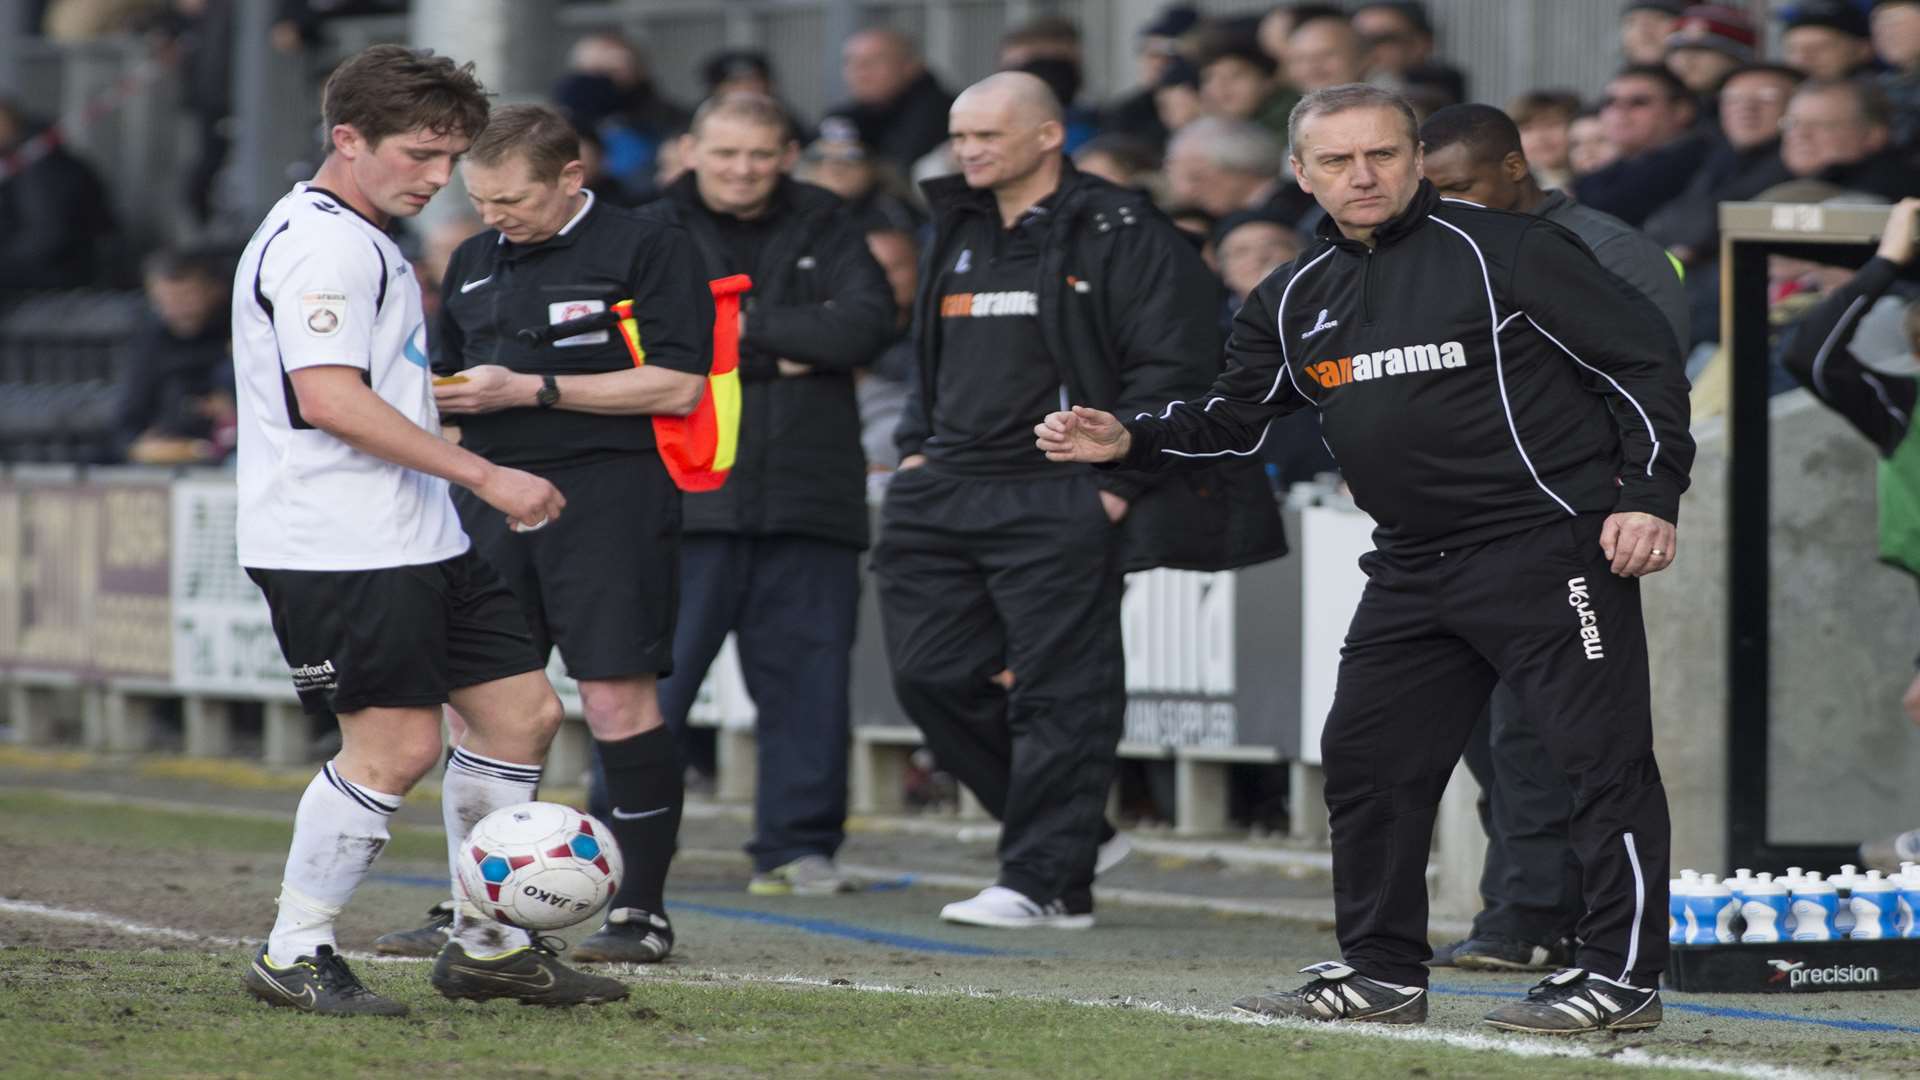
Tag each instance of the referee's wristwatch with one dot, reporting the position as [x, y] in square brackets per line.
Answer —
[549, 393]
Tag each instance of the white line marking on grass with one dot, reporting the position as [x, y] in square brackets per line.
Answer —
[140, 929]
[114, 922]
[1518, 1046]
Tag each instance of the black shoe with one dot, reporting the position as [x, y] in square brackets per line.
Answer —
[422, 941]
[1505, 954]
[531, 975]
[1573, 1001]
[630, 936]
[1337, 992]
[321, 983]
[1442, 954]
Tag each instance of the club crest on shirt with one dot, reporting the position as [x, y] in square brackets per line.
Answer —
[323, 312]
[569, 310]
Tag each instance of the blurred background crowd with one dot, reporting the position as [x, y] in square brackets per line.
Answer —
[114, 279]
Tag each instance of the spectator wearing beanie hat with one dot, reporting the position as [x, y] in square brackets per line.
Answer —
[1711, 41]
[1644, 28]
[1827, 39]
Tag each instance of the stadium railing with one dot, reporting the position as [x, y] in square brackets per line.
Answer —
[126, 625]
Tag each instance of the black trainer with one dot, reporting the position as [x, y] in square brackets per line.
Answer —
[1573, 1001]
[1505, 954]
[630, 936]
[1337, 992]
[321, 983]
[422, 941]
[531, 975]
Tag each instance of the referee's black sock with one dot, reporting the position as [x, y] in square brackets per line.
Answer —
[645, 791]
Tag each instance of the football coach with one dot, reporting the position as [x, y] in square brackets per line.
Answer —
[1514, 419]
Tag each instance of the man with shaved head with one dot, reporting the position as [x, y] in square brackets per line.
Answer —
[1000, 575]
[898, 107]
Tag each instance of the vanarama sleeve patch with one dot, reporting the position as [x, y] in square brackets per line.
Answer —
[323, 313]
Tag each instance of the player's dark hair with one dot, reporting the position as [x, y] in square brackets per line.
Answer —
[391, 89]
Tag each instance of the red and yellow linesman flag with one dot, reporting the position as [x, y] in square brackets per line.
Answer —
[699, 448]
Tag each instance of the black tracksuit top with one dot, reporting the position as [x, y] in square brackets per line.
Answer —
[1477, 375]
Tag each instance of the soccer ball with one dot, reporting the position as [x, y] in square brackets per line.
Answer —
[539, 866]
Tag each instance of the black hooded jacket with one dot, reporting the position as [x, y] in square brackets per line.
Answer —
[1477, 374]
[818, 299]
[1127, 314]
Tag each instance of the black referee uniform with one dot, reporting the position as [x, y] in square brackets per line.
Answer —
[601, 582]
[1491, 395]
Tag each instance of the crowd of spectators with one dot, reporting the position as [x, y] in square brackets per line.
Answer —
[1697, 114]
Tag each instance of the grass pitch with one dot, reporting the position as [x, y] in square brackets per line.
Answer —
[150, 985]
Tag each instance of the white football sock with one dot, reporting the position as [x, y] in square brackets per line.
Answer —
[475, 786]
[339, 830]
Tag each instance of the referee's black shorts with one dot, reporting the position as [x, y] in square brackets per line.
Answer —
[395, 637]
[603, 581]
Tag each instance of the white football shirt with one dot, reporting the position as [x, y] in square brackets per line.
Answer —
[319, 284]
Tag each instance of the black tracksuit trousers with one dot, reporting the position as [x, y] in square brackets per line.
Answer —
[1530, 882]
[977, 576]
[1540, 610]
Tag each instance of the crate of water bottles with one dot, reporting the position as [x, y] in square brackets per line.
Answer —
[1799, 932]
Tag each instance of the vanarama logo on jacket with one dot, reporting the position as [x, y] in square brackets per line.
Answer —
[1401, 360]
[985, 304]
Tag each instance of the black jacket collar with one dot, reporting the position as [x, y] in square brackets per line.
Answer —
[1425, 201]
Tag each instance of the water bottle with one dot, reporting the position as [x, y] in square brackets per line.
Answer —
[1712, 908]
[1678, 889]
[1815, 903]
[1909, 882]
[1875, 911]
[1793, 879]
[1738, 885]
[1843, 883]
[1765, 910]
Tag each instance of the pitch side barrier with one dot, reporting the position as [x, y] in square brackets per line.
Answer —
[1817, 634]
[122, 606]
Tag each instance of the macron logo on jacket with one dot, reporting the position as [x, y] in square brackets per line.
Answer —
[1400, 360]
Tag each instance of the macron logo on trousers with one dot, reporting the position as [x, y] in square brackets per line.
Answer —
[1582, 605]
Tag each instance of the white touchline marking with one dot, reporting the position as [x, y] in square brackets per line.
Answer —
[1519, 1046]
[114, 922]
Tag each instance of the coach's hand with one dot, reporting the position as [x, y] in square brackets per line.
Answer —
[1083, 434]
[488, 388]
[1638, 543]
[528, 501]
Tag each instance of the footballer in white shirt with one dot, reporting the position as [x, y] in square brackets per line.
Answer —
[383, 612]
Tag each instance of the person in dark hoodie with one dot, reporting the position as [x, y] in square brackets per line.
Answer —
[609, 89]
[773, 556]
[1000, 575]
[896, 105]
[1648, 115]
[54, 209]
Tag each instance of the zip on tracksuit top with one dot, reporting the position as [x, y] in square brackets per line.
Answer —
[1477, 375]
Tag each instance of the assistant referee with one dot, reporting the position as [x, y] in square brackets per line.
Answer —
[602, 583]
[1514, 419]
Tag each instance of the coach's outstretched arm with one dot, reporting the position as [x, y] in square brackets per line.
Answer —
[333, 398]
[1231, 420]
